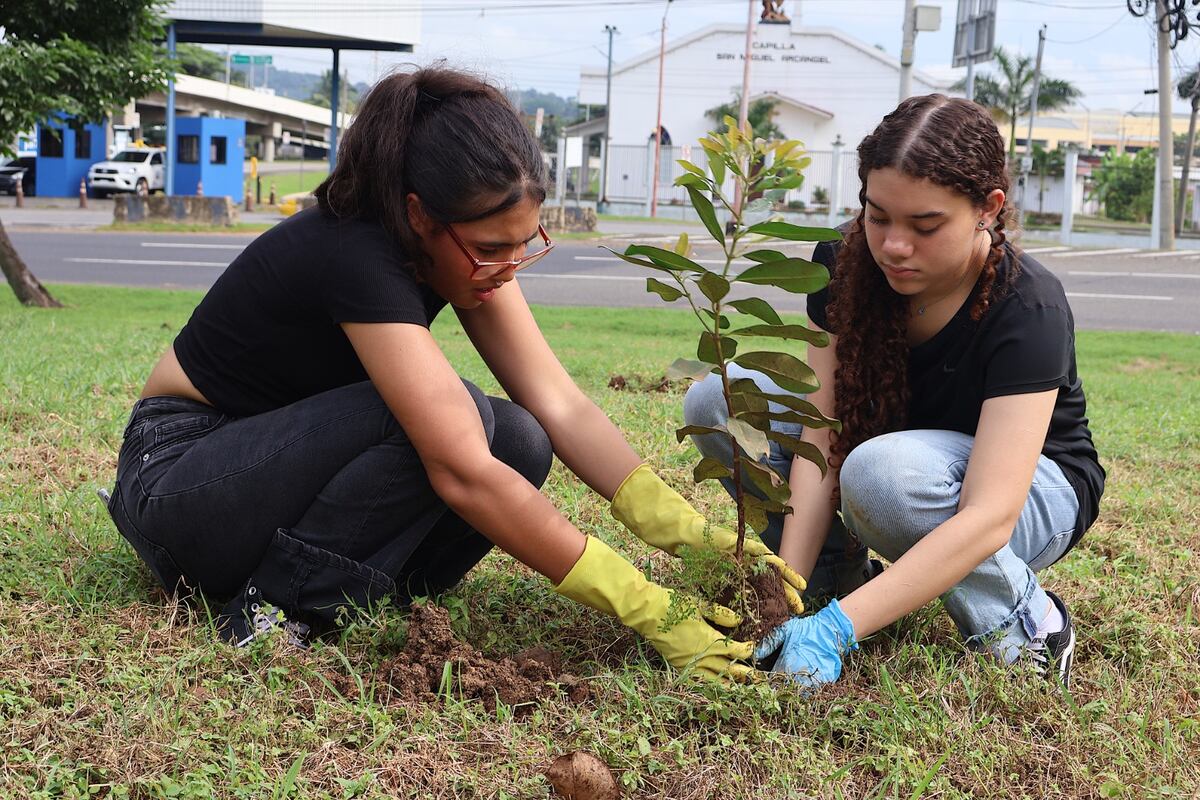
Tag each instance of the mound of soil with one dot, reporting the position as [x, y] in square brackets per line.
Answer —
[768, 603]
[582, 776]
[417, 673]
[636, 383]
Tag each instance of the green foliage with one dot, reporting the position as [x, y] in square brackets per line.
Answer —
[760, 114]
[82, 59]
[1124, 183]
[1008, 93]
[323, 91]
[776, 168]
[196, 60]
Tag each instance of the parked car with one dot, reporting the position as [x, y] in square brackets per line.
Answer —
[23, 169]
[137, 170]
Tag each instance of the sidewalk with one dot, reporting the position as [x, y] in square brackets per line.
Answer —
[64, 212]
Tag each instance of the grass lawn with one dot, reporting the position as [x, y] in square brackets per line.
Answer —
[288, 182]
[107, 690]
[182, 227]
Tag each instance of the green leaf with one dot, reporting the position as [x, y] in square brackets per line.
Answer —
[716, 165]
[763, 419]
[746, 402]
[722, 321]
[707, 349]
[757, 206]
[770, 482]
[665, 259]
[686, 368]
[790, 182]
[697, 430]
[795, 233]
[681, 246]
[704, 208]
[713, 286]
[797, 447]
[695, 181]
[756, 307]
[708, 469]
[797, 404]
[819, 338]
[764, 256]
[665, 291]
[752, 441]
[690, 167]
[786, 370]
[757, 509]
[641, 262]
[792, 275]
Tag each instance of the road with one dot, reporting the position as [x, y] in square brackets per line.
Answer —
[1109, 289]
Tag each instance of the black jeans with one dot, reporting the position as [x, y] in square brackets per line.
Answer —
[317, 503]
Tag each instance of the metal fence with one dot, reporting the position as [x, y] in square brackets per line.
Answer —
[630, 170]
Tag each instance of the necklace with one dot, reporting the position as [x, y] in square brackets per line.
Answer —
[967, 273]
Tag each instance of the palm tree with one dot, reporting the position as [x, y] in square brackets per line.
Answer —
[760, 114]
[1189, 89]
[1007, 94]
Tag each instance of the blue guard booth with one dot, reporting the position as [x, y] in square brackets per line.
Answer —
[210, 150]
[64, 155]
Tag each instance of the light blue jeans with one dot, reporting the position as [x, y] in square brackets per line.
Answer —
[898, 487]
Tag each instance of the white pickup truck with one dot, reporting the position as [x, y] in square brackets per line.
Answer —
[137, 170]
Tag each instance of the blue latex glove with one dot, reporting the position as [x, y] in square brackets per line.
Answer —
[811, 648]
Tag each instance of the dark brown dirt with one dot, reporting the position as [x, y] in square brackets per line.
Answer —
[768, 606]
[637, 383]
[416, 674]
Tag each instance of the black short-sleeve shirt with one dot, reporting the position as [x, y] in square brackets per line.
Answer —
[1024, 343]
[268, 332]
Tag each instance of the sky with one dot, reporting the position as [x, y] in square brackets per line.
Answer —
[541, 44]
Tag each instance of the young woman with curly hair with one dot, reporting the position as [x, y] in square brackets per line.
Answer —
[304, 445]
[965, 457]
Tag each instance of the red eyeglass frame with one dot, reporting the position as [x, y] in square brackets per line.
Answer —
[497, 267]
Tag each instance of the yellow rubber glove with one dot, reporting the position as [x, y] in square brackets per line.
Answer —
[659, 516]
[605, 581]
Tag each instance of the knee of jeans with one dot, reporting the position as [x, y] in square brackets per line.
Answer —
[704, 404]
[485, 409]
[521, 442]
[876, 480]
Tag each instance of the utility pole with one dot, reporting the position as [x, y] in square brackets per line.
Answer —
[228, 59]
[1166, 143]
[971, 51]
[906, 48]
[1027, 159]
[610, 30]
[662, 54]
[744, 106]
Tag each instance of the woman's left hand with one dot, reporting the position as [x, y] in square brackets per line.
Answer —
[811, 648]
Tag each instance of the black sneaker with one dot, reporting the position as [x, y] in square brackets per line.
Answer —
[1051, 654]
[248, 616]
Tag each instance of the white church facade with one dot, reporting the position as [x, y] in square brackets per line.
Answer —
[827, 84]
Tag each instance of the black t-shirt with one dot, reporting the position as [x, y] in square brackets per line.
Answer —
[1025, 343]
[268, 332]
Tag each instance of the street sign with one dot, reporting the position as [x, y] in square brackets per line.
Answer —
[239, 58]
[981, 15]
[267, 59]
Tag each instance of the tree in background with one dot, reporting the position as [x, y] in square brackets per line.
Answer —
[1125, 185]
[1007, 94]
[760, 115]
[1189, 89]
[78, 59]
[201, 63]
[323, 91]
[1047, 162]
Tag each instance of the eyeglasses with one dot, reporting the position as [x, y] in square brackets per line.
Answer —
[482, 270]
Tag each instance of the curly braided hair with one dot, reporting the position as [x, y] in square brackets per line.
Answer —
[950, 142]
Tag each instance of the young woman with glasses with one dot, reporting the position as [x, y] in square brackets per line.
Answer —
[965, 456]
[304, 444]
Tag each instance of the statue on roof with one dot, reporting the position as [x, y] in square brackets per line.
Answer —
[773, 12]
